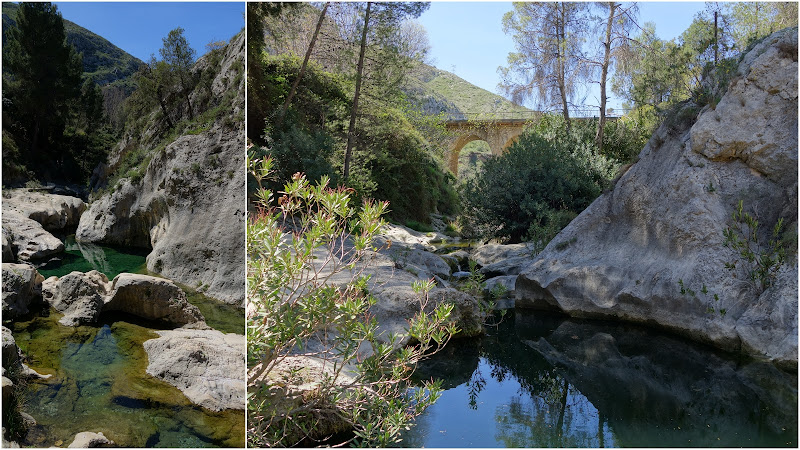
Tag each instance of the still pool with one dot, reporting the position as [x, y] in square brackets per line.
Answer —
[99, 383]
[83, 257]
[547, 381]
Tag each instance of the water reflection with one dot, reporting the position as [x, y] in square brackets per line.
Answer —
[543, 381]
[83, 257]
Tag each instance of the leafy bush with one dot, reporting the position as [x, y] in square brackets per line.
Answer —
[294, 250]
[760, 262]
[536, 185]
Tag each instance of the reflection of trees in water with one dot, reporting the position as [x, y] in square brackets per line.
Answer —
[549, 411]
[571, 421]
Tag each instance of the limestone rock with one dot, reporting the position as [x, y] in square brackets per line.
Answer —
[88, 439]
[22, 286]
[8, 252]
[189, 206]
[53, 212]
[79, 296]
[208, 366]
[663, 222]
[506, 281]
[298, 379]
[489, 254]
[151, 298]
[12, 356]
[27, 239]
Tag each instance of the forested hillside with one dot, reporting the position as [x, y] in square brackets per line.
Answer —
[344, 113]
[436, 90]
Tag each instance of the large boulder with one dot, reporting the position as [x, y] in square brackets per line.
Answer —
[53, 212]
[189, 205]
[651, 250]
[27, 239]
[208, 366]
[22, 286]
[79, 296]
[151, 298]
[82, 297]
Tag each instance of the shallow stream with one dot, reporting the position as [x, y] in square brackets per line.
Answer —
[541, 380]
[99, 380]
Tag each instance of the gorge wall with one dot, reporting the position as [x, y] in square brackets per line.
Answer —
[659, 231]
[189, 205]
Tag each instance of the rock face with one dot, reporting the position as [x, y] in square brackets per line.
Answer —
[53, 212]
[663, 222]
[208, 366]
[83, 296]
[189, 206]
[27, 239]
[22, 286]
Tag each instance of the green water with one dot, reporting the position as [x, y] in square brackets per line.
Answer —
[540, 380]
[218, 315]
[99, 383]
[83, 257]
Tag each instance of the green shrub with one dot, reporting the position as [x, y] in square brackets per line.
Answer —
[291, 306]
[537, 185]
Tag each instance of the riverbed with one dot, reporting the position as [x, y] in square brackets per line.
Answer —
[98, 373]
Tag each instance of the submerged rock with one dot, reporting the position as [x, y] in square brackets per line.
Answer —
[22, 287]
[660, 230]
[208, 366]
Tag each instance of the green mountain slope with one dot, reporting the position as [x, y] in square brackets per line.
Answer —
[437, 90]
[103, 62]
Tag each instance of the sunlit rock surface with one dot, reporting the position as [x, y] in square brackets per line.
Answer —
[22, 286]
[208, 366]
[189, 206]
[663, 222]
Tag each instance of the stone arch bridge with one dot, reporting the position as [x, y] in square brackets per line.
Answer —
[499, 130]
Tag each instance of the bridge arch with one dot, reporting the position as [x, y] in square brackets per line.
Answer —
[498, 134]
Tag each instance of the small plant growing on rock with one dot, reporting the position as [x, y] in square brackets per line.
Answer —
[760, 262]
[316, 362]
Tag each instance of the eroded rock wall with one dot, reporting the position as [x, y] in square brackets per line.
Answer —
[663, 223]
[189, 206]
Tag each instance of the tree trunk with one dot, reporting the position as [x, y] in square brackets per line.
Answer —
[601, 124]
[305, 61]
[164, 108]
[562, 63]
[352, 128]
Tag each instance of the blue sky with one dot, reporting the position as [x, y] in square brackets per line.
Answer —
[138, 27]
[467, 37]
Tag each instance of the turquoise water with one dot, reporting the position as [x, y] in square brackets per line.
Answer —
[545, 381]
[84, 257]
[99, 383]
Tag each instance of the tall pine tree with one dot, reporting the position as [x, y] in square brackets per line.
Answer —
[42, 77]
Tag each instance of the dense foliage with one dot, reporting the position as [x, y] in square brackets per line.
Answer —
[391, 159]
[53, 123]
[294, 313]
[544, 180]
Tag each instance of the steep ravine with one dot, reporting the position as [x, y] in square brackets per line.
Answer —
[189, 205]
[659, 232]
